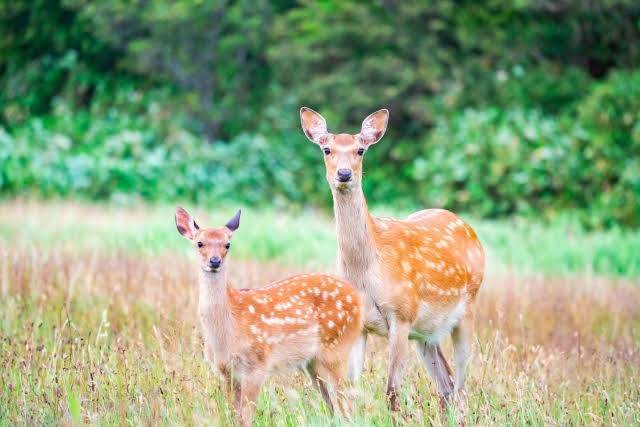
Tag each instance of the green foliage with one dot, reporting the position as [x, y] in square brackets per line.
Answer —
[422, 60]
[121, 156]
[494, 163]
[212, 51]
[497, 108]
[611, 174]
[47, 51]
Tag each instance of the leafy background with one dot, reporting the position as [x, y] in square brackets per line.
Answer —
[517, 108]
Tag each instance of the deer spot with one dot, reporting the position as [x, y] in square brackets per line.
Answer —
[406, 266]
[442, 244]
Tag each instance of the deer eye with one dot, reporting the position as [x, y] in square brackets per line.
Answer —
[200, 244]
[326, 151]
[227, 246]
[360, 151]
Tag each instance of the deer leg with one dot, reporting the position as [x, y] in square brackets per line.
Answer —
[462, 339]
[398, 349]
[335, 372]
[231, 386]
[249, 391]
[438, 369]
[320, 383]
[357, 356]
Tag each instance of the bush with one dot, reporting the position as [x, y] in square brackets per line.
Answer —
[120, 156]
[491, 162]
[495, 163]
[611, 174]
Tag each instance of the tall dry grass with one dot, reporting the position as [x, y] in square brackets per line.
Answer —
[110, 337]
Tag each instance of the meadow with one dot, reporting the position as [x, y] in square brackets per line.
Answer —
[99, 322]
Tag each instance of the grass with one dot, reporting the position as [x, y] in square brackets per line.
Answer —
[98, 325]
[307, 239]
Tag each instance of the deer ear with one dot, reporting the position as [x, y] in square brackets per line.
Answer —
[234, 222]
[186, 224]
[374, 127]
[313, 125]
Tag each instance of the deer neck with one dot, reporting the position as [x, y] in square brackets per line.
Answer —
[215, 310]
[354, 227]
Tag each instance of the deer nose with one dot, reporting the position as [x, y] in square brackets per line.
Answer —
[344, 175]
[214, 262]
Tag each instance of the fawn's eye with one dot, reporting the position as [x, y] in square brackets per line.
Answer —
[326, 151]
[200, 244]
[360, 151]
[227, 246]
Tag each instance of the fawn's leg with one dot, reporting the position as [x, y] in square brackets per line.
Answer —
[398, 349]
[249, 391]
[231, 386]
[335, 372]
[320, 383]
[357, 356]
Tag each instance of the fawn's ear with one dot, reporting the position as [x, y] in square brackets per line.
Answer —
[186, 224]
[374, 127]
[234, 222]
[313, 125]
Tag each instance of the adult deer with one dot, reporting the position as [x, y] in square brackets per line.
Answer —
[311, 319]
[419, 276]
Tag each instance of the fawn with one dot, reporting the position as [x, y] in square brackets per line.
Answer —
[419, 276]
[311, 319]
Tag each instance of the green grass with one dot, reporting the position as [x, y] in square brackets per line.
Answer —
[99, 324]
[307, 238]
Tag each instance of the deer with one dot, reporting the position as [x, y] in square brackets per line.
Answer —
[309, 320]
[419, 276]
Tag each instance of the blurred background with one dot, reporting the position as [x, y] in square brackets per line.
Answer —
[523, 116]
[498, 108]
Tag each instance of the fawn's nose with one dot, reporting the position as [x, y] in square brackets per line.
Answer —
[215, 262]
[344, 175]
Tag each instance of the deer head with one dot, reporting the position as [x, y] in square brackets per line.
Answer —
[212, 244]
[343, 152]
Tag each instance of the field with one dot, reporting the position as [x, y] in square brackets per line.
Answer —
[98, 322]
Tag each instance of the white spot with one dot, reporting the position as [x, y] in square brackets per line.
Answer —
[330, 324]
[251, 309]
[406, 266]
